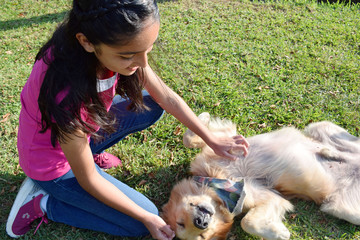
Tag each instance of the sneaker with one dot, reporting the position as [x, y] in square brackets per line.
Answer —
[25, 209]
[106, 160]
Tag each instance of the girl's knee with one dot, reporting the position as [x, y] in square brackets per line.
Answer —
[150, 207]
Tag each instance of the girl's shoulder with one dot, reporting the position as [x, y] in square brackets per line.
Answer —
[38, 72]
[42, 63]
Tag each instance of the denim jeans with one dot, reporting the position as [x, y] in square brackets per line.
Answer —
[70, 204]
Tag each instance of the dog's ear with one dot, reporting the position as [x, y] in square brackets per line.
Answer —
[190, 139]
[167, 215]
[165, 212]
[168, 209]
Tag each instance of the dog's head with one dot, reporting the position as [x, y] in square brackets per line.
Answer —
[195, 212]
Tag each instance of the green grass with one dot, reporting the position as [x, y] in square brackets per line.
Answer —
[263, 65]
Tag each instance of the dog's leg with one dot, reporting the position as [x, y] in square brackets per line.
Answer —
[333, 135]
[344, 202]
[266, 213]
[271, 229]
[341, 161]
[190, 139]
[342, 211]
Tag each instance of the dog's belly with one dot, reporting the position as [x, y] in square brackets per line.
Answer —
[287, 162]
[315, 188]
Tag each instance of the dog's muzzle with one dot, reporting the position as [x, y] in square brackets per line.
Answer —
[202, 216]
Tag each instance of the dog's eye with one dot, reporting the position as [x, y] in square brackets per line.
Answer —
[180, 225]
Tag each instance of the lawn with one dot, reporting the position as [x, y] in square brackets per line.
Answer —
[262, 64]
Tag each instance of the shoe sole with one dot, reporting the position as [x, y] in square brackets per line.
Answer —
[25, 189]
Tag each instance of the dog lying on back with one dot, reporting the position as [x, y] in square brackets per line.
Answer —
[322, 164]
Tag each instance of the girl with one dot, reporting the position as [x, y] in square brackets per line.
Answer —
[99, 50]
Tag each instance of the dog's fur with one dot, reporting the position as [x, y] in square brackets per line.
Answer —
[322, 164]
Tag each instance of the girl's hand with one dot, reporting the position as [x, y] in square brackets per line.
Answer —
[228, 146]
[158, 228]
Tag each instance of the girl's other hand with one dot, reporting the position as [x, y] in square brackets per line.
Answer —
[228, 146]
[158, 228]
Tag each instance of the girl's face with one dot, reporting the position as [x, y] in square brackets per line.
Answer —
[126, 59]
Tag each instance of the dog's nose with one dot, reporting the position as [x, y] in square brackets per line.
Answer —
[201, 222]
[202, 218]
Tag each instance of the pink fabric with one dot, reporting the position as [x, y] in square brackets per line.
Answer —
[37, 157]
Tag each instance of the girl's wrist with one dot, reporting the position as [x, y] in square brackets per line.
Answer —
[147, 218]
[209, 138]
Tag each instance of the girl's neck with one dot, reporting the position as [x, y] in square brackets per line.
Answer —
[104, 73]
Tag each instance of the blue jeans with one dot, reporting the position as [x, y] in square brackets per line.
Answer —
[70, 204]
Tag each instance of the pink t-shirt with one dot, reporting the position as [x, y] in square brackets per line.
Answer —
[37, 157]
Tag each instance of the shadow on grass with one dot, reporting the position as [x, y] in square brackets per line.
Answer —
[51, 17]
[9, 186]
[25, 22]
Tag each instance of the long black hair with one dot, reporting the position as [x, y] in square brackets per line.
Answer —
[73, 70]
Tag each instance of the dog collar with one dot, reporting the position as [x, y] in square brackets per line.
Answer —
[232, 193]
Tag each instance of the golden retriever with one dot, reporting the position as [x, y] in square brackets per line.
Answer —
[321, 163]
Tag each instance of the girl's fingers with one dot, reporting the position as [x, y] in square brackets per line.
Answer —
[168, 232]
[243, 148]
[241, 140]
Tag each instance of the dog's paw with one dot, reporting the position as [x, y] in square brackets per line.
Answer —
[276, 231]
[190, 139]
[281, 232]
[269, 230]
[205, 118]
